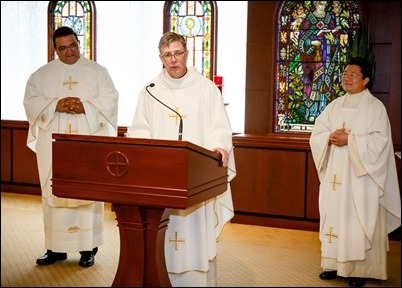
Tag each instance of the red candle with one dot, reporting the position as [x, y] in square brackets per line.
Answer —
[218, 80]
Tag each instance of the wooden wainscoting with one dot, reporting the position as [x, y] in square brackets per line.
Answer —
[276, 183]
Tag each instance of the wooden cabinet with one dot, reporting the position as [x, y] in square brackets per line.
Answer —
[19, 171]
[276, 182]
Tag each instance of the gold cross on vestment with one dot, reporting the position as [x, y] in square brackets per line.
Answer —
[334, 183]
[330, 235]
[177, 116]
[176, 240]
[69, 83]
[70, 130]
[344, 127]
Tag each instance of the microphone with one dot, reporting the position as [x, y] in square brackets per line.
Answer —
[181, 119]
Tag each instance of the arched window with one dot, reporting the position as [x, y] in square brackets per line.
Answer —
[196, 21]
[315, 40]
[80, 16]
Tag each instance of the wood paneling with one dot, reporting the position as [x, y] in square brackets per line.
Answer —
[270, 182]
[6, 162]
[394, 108]
[19, 172]
[276, 182]
[312, 190]
[23, 157]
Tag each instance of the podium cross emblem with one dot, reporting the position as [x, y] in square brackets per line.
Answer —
[117, 164]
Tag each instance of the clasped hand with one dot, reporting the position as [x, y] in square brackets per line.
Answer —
[339, 137]
[70, 105]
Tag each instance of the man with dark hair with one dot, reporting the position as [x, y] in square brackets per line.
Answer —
[359, 200]
[70, 95]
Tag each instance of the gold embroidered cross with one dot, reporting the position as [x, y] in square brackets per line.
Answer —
[176, 240]
[70, 131]
[330, 235]
[69, 83]
[344, 127]
[177, 116]
[334, 183]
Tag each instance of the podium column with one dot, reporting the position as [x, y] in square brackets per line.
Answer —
[142, 251]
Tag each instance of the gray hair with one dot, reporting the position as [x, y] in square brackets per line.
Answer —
[170, 37]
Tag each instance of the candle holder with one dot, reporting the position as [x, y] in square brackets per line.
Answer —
[218, 80]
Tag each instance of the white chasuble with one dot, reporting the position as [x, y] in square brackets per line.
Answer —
[359, 200]
[190, 241]
[69, 223]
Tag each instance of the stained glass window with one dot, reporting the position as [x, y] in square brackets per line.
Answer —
[196, 21]
[313, 45]
[79, 15]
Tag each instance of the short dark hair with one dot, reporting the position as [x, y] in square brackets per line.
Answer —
[63, 31]
[365, 67]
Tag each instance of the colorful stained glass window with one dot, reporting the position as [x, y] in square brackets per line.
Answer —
[313, 45]
[195, 20]
[79, 16]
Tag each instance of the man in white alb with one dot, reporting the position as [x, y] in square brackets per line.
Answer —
[71, 95]
[359, 198]
[190, 240]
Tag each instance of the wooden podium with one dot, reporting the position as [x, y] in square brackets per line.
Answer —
[144, 179]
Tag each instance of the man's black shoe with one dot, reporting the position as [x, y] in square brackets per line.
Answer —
[357, 282]
[51, 257]
[328, 275]
[88, 258]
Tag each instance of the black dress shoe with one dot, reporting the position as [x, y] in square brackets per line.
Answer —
[357, 282]
[328, 275]
[51, 257]
[88, 258]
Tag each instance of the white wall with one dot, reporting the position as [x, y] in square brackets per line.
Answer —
[127, 45]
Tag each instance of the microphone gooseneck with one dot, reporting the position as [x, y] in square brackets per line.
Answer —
[181, 119]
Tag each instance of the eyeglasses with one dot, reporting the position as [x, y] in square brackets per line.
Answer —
[177, 55]
[351, 75]
[73, 46]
